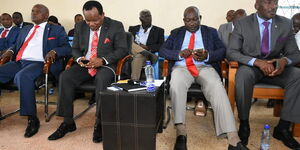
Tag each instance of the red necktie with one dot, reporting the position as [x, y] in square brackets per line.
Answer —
[94, 45]
[4, 33]
[21, 51]
[189, 61]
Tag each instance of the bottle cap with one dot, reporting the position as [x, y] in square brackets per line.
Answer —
[148, 62]
[267, 126]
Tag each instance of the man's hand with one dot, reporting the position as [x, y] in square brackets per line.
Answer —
[94, 63]
[185, 53]
[200, 54]
[144, 47]
[282, 62]
[265, 66]
[7, 54]
[50, 57]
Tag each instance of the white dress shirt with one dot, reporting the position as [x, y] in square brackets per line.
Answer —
[88, 54]
[141, 37]
[297, 37]
[34, 49]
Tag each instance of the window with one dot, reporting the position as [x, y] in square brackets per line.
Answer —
[288, 8]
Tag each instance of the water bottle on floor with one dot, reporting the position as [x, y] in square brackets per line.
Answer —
[265, 138]
[149, 71]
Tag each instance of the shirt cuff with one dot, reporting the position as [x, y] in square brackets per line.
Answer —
[77, 60]
[11, 51]
[289, 61]
[207, 59]
[251, 62]
[106, 62]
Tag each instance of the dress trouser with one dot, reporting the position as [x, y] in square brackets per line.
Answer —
[138, 61]
[289, 79]
[213, 90]
[24, 74]
[72, 78]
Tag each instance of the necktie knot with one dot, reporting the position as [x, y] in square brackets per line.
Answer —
[266, 24]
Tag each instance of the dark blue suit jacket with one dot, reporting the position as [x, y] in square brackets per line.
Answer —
[9, 41]
[55, 38]
[216, 49]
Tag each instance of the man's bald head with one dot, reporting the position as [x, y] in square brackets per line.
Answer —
[39, 13]
[192, 18]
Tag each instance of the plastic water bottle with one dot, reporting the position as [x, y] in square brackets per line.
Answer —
[265, 138]
[149, 71]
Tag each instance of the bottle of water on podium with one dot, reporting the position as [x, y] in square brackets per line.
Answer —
[265, 138]
[149, 71]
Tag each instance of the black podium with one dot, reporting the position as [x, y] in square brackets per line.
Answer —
[130, 120]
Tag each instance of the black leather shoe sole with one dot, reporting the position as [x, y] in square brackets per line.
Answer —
[287, 138]
[61, 132]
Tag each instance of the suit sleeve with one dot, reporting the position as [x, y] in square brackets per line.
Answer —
[119, 44]
[167, 51]
[76, 52]
[291, 49]
[12, 40]
[234, 51]
[63, 47]
[156, 46]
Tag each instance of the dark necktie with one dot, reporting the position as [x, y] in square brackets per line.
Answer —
[265, 40]
[21, 51]
[94, 46]
[189, 61]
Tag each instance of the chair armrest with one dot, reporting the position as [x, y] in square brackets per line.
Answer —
[47, 67]
[233, 64]
[121, 63]
[165, 68]
[69, 63]
[224, 68]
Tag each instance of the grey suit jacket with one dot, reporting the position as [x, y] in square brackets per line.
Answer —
[112, 43]
[224, 32]
[245, 42]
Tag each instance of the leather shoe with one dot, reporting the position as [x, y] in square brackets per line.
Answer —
[62, 130]
[286, 137]
[239, 146]
[244, 133]
[180, 143]
[92, 100]
[97, 135]
[32, 127]
[270, 103]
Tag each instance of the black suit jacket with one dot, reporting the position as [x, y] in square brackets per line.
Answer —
[155, 38]
[112, 43]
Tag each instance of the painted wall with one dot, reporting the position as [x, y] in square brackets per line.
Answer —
[167, 14]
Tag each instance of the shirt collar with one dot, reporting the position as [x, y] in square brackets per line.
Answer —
[199, 30]
[42, 25]
[261, 20]
[8, 28]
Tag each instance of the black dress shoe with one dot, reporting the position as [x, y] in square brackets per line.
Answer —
[239, 146]
[244, 133]
[62, 130]
[97, 135]
[286, 137]
[180, 143]
[32, 127]
[270, 103]
[92, 100]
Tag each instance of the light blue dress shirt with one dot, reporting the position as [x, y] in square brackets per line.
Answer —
[198, 45]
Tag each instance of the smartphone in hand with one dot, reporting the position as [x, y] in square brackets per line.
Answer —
[85, 61]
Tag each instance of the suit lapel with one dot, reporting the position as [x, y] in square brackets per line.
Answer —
[151, 35]
[256, 33]
[274, 33]
[204, 38]
[86, 33]
[45, 38]
[103, 34]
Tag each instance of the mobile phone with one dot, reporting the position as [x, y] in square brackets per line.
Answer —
[85, 61]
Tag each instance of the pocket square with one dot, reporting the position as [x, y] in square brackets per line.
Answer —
[107, 40]
[51, 38]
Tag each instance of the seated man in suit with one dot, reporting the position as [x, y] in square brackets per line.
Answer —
[77, 18]
[296, 26]
[256, 57]
[9, 34]
[194, 52]
[34, 46]
[99, 42]
[147, 40]
[18, 20]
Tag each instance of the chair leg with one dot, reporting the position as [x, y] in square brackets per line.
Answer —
[84, 111]
[165, 125]
[2, 117]
[277, 108]
[296, 129]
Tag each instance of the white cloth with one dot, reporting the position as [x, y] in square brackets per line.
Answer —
[34, 49]
[88, 54]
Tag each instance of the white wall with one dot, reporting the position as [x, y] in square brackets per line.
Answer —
[167, 14]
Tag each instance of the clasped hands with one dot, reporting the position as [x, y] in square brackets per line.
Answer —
[268, 67]
[93, 62]
[198, 54]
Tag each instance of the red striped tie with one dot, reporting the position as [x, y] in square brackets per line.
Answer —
[21, 51]
[4, 33]
[94, 45]
[189, 61]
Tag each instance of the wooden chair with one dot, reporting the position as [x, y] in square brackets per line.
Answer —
[260, 91]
